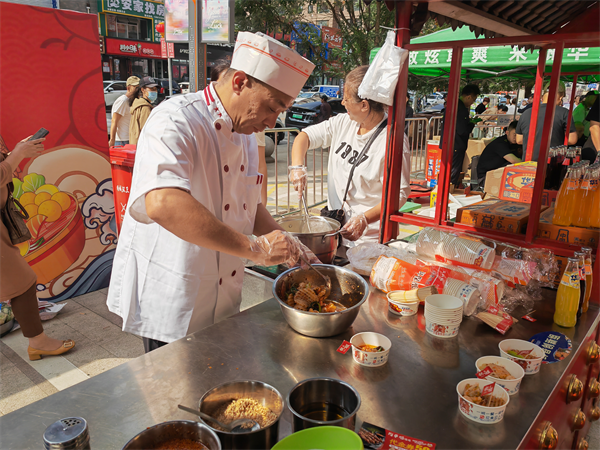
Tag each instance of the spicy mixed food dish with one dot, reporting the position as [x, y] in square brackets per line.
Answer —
[311, 298]
[523, 354]
[472, 393]
[370, 348]
[499, 371]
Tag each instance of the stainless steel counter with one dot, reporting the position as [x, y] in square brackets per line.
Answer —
[414, 394]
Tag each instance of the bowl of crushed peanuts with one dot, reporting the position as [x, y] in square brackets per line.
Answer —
[244, 400]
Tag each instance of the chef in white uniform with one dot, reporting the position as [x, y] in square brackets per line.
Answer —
[195, 198]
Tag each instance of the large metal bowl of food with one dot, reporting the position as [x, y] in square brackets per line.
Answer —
[174, 435]
[348, 292]
[245, 400]
[318, 239]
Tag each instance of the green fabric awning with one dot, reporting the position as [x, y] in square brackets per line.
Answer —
[485, 62]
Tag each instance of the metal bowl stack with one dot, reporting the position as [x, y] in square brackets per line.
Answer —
[347, 288]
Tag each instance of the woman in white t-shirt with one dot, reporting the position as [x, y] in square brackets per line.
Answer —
[346, 135]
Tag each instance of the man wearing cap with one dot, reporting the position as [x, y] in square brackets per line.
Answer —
[579, 116]
[141, 107]
[121, 115]
[195, 198]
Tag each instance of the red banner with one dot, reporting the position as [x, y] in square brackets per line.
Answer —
[137, 49]
[332, 36]
[163, 48]
[171, 50]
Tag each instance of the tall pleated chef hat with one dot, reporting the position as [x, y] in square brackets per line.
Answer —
[271, 62]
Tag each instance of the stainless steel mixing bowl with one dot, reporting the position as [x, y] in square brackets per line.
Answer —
[177, 429]
[266, 395]
[347, 288]
[323, 246]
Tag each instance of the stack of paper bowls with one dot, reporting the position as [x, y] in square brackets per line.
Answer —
[443, 315]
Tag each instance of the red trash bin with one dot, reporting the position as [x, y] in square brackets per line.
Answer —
[122, 160]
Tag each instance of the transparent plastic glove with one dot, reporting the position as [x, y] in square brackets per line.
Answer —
[355, 228]
[307, 254]
[297, 176]
[276, 247]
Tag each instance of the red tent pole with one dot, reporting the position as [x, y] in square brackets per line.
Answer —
[395, 129]
[540, 173]
[441, 207]
[537, 98]
[572, 102]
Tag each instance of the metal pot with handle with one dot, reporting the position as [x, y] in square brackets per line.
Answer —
[322, 241]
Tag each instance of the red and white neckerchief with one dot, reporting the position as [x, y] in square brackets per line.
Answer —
[215, 106]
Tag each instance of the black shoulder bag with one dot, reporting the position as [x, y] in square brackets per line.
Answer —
[14, 219]
[339, 214]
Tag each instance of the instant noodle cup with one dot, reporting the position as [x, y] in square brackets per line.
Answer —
[530, 366]
[511, 386]
[479, 413]
[370, 359]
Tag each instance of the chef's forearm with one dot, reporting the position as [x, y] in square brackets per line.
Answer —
[300, 148]
[373, 214]
[264, 222]
[181, 214]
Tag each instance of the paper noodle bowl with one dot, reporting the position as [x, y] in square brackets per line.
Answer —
[511, 386]
[530, 366]
[441, 330]
[370, 359]
[478, 413]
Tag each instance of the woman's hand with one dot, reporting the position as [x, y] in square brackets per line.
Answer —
[297, 176]
[29, 149]
[355, 228]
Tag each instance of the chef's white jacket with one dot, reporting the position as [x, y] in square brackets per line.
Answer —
[340, 134]
[162, 286]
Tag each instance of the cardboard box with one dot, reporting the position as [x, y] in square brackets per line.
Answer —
[495, 214]
[474, 148]
[585, 237]
[515, 183]
[434, 159]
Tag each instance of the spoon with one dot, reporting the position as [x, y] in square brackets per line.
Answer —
[325, 277]
[237, 426]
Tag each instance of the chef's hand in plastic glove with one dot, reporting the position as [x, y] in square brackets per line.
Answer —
[297, 176]
[276, 247]
[355, 228]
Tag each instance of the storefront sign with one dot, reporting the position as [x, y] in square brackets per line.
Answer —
[132, 48]
[182, 51]
[332, 36]
[154, 10]
[217, 20]
[176, 20]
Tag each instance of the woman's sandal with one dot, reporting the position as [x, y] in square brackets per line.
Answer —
[35, 354]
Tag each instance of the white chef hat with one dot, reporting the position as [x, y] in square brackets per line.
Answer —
[271, 62]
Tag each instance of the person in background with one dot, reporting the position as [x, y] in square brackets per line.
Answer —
[409, 113]
[220, 66]
[559, 128]
[512, 107]
[482, 106]
[18, 281]
[141, 107]
[527, 106]
[501, 152]
[324, 110]
[346, 135]
[524, 103]
[579, 116]
[121, 115]
[591, 148]
[464, 126]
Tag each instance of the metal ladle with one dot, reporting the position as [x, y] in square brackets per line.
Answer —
[237, 426]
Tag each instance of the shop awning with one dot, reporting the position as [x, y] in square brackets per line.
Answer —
[486, 62]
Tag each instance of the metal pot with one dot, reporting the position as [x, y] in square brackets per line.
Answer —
[267, 395]
[324, 247]
[322, 393]
[177, 429]
[347, 288]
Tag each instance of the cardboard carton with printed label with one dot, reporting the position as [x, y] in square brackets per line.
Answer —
[495, 214]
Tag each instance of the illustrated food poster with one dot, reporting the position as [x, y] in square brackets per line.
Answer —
[51, 77]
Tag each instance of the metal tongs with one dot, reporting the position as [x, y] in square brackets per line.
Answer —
[325, 277]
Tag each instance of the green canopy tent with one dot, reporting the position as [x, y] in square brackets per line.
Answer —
[486, 62]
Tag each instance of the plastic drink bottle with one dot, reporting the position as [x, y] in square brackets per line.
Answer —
[563, 210]
[581, 265]
[583, 210]
[588, 277]
[567, 297]
[595, 201]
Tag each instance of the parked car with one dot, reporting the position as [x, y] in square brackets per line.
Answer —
[185, 87]
[307, 97]
[163, 89]
[113, 89]
[305, 115]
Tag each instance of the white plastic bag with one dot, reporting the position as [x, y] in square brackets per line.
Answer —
[380, 80]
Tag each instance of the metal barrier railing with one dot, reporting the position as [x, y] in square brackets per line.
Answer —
[435, 126]
[286, 202]
[417, 131]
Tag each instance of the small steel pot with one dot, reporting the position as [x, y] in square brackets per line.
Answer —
[318, 391]
[177, 429]
[267, 395]
[324, 247]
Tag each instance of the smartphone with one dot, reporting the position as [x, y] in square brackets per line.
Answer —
[41, 133]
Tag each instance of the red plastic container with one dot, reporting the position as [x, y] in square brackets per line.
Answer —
[122, 160]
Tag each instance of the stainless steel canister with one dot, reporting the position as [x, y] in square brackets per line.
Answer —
[70, 433]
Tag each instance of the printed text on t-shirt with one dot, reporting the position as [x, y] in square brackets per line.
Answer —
[347, 151]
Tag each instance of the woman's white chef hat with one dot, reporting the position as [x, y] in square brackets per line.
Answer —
[271, 62]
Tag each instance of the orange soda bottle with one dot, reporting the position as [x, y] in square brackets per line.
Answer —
[588, 277]
[584, 200]
[564, 208]
[595, 200]
[567, 297]
[581, 265]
